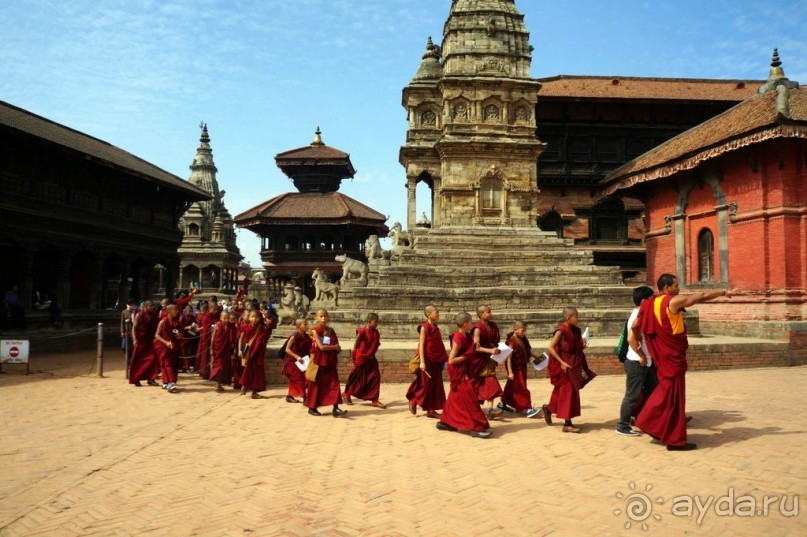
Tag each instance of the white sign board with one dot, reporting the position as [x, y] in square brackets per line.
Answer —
[14, 351]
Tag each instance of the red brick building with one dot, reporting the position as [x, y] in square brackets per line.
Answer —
[726, 206]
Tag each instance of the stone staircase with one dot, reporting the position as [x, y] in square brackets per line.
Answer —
[523, 274]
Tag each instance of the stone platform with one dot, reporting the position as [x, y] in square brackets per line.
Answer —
[522, 273]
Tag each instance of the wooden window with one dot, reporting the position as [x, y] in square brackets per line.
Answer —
[706, 255]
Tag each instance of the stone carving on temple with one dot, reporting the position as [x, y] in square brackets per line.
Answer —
[374, 251]
[326, 291]
[401, 240]
[354, 272]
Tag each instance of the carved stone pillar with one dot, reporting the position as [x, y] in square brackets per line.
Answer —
[679, 221]
[723, 240]
[437, 205]
[411, 200]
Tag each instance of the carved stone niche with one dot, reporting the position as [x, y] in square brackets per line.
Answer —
[460, 110]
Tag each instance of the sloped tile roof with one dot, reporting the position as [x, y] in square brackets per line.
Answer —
[752, 121]
[310, 208]
[24, 121]
[626, 87]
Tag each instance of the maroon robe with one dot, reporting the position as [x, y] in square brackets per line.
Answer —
[238, 369]
[325, 389]
[516, 393]
[462, 406]
[488, 387]
[364, 381]
[565, 399]
[299, 344]
[254, 374]
[428, 390]
[188, 343]
[206, 322]
[168, 355]
[664, 412]
[224, 340]
[144, 364]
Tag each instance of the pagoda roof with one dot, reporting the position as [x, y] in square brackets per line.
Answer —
[770, 115]
[311, 208]
[629, 87]
[97, 150]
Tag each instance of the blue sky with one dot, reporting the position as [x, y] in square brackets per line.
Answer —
[264, 73]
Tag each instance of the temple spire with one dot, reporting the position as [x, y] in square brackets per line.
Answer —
[776, 76]
[317, 137]
[205, 139]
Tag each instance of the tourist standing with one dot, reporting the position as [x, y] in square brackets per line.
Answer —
[640, 375]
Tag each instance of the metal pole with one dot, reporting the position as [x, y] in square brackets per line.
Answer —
[99, 359]
[126, 350]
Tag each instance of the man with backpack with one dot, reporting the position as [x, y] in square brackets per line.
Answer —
[640, 378]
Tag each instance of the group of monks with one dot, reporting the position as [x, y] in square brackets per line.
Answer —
[229, 347]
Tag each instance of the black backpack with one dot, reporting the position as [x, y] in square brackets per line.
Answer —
[622, 345]
[281, 353]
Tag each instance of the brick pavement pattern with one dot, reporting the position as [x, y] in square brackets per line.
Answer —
[93, 456]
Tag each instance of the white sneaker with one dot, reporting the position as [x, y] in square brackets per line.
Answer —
[171, 387]
[481, 434]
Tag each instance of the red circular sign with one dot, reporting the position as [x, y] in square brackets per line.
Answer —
[13, 352]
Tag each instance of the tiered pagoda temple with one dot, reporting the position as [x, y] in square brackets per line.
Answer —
[305, 230]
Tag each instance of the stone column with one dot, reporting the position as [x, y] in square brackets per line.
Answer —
[180, 284]
[171, 270]
[679, 221]
[412, 211]
[437, 205]
[723, 240]
[27, 279]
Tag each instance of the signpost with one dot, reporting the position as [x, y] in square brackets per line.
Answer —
[15, 351]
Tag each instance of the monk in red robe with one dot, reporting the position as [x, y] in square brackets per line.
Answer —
[661, 322]
[188, 340]
[486, 339]
[297, 347]
[427, 390]
[324, 389]
[223, 341]
[242, 325]
[516, 395]
[568, 371]
[462, 410]
[206, 321]
[144, 364]
[364, 381]
[252, 352]
[165, 345]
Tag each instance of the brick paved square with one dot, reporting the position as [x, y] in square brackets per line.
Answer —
[88, 456]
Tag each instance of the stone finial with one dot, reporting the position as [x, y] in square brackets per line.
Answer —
[205, 139]
[317, 137]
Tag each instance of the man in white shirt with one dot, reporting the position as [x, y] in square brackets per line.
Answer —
[641, 377]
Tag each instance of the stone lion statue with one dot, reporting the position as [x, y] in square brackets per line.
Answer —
[325, 289]
[401, 240]
[373, 249]
[352, 269]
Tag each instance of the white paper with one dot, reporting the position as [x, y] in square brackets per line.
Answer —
[504, 352]
[326, 340]
[540, 366]
[303, 366]
[586, 335]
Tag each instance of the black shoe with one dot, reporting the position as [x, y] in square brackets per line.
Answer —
[627, 431]
[137, 384]
[314, 412]
[153, 383]
[685, 447]
[338, 412]
[445, 426]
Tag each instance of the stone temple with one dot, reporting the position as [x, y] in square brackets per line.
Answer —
[472, 138]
